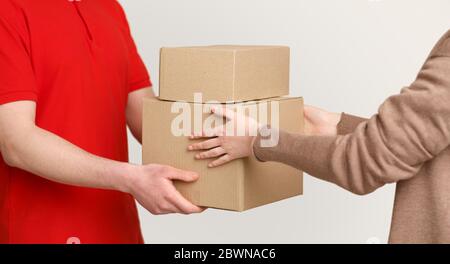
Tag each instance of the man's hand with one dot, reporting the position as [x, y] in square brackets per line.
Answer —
[320, 122]
[152, 186]
[25, 146]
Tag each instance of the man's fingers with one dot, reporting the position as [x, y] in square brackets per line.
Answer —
[212, 153]
[168, 208]
[183, 205]
[208, 144]
[177, 174]
[220, 161]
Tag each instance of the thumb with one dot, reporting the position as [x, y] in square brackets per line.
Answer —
[307, 111]
[186, 176]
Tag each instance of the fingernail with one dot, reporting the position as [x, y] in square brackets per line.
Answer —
[190, 148]
[210, 165]
[197, 156]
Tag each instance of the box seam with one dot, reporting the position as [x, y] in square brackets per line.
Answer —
[241, 193]
[161, 71]
[234, 75]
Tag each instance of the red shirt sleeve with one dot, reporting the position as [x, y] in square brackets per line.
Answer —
[137, 72]
[17, 79]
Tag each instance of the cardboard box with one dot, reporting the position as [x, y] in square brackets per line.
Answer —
[239, 185]
[224, 73]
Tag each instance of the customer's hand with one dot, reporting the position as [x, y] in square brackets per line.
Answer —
[320, 122]
[152, 186]
[223, 147]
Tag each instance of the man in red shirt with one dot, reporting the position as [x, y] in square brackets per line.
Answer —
[70, 81]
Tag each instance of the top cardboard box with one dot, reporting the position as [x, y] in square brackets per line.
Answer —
[224, 73]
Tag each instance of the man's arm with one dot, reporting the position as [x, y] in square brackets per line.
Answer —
[134, 110]
[24, 145]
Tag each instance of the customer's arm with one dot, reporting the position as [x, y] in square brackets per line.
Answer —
[409, 129]
[348, 123]
[319, 122]
[26, 146]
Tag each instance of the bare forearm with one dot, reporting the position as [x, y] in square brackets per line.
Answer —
[134, 111]
[47, 155]
[24, 145]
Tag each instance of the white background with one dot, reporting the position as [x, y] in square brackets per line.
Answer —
[347, 55]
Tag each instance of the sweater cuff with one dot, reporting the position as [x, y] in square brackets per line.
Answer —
[348, 123]
[308, 153]
[258, 148]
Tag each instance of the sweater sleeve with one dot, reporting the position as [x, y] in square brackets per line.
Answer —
[348, 123]
[409, 129]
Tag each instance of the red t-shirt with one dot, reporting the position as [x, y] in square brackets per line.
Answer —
[78, 61]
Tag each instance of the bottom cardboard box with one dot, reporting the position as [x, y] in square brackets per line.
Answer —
[239, 185]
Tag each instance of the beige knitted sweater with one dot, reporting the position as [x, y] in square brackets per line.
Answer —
[407, 142]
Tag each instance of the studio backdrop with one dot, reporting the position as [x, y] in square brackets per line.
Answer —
[346, 56]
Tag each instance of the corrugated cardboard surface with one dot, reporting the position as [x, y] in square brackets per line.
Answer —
[224, 73]
[239, 185]
[269, 182]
